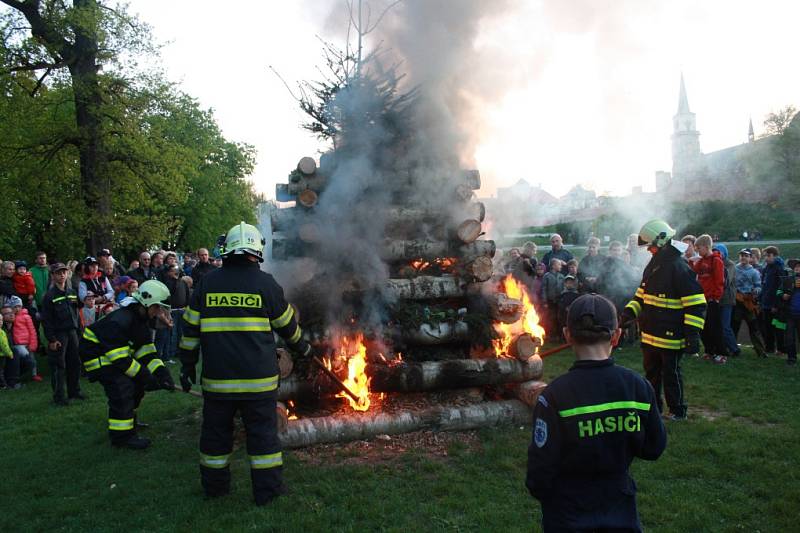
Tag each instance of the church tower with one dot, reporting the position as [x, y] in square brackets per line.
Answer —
[751, 135]
[686, 156]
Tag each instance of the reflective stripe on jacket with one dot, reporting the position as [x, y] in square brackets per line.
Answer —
[233, 313]
[669, 302]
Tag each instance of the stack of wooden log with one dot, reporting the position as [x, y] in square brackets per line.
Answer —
[437, 264]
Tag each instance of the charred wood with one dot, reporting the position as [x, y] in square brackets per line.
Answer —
[454, 374]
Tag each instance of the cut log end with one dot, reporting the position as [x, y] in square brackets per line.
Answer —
[307, 198]
[468, 231]
[307, 165]
[285, 362]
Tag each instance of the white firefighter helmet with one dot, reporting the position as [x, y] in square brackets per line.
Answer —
[152, 292]
[244, 238]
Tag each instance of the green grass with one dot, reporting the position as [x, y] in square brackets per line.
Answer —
[737, 472]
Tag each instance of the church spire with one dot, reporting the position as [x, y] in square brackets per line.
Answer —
[751, 136]
[683, 101]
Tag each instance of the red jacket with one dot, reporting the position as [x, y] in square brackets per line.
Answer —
[24, 285]
[24, 332]
[710, 272]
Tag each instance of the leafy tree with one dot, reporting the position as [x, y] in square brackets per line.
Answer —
[105, 156]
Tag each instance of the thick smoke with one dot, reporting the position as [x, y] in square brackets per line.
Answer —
[412, 157]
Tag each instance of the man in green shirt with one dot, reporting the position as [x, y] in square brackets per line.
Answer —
[41, 277]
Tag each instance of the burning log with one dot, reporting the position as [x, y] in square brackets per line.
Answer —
[454, 374]
[283, 416]
[464, 193]
[401, 250]
[344, 428]
[505, 309]
[424, 288]
[468, 231]
[307, 166]
[476, 210]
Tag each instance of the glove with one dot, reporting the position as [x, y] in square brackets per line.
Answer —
[626, 318]
[164, 379]
[188, 377]
[692, 342]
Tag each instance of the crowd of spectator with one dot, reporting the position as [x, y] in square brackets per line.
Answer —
[755, 287]
[100, 284]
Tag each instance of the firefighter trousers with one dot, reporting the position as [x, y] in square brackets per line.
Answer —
[662, 369]
[263, 447]
[124, 396]
[65, 366]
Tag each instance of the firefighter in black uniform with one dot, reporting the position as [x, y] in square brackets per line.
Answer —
[232, 316]
[589, 424]
[118, 351]
[670, 307]
[60, 322]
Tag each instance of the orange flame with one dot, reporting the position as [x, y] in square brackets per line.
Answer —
[529, 322]
[355, 353]
[290, 409]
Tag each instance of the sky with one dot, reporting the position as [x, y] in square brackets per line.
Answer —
[587, 95]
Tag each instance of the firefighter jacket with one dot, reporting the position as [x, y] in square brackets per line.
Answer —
[230, 320]
[59, 311]
[121, 342]
[588, 426]
[669, 302]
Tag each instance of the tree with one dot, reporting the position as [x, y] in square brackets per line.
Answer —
[99, 152]
[774, 160]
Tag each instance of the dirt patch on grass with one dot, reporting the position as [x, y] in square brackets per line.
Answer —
[389, 449]
[711, 415]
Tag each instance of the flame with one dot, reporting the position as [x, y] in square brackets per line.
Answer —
[529, 320]
[290, 409]
[355, 353]
[420, 264]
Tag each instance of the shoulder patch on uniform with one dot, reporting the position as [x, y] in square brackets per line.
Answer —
[540, 432]
[542, 400]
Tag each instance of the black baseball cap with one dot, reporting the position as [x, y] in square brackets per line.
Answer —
[599, 308]
[745, 251]
[105, 252]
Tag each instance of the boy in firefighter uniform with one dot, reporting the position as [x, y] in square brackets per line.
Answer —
[670, 307]
[233, 313]
[589, 424]
[118, 351]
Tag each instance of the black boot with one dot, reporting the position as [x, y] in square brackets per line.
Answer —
[133, 443]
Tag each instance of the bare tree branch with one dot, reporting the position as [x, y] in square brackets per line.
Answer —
[388, 8]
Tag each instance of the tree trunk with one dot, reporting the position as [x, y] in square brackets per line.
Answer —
[478, 270]
[523, 347]
[424, 288]
[307, 165]
[358, 426]
[315, 183]
[529, 391]
[294, 388]
[402, 250]
[454, 374]
[504, 309]
[468, 231]
[441, 333]
[285, 362]
[307, 198]
[476, 210]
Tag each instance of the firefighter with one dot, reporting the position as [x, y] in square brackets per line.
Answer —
[118, 351]
[589, 425]
[233, 313]
[670, 307]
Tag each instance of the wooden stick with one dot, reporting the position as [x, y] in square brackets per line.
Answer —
[553, 351]
[192, 392]
[335, 378]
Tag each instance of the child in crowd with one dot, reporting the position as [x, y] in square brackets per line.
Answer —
[24, 285]
[5, 355]
[690, 254]
[552, 287]
[748, 289]
[591, 266]
[25, 341]
[537, 287]
[565, 300]
[728, 301]
[88, 313]
[16, 365]
[126, 286]
[572, 268]
[791, 297]
[755, 260]
[710, 272]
